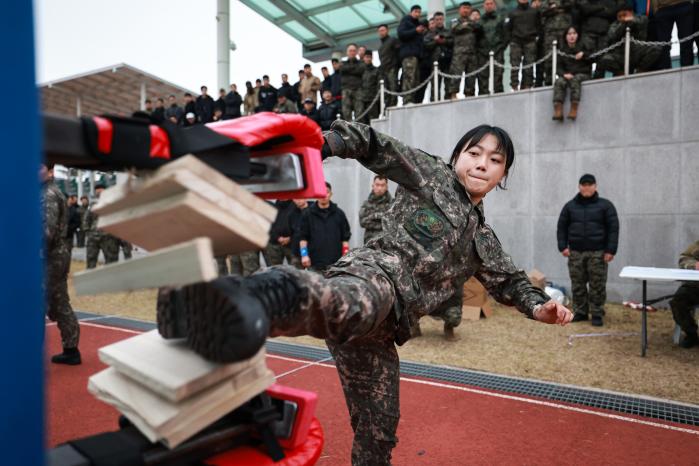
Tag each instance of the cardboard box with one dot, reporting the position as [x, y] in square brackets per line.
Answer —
[537, 278]
[475, 301]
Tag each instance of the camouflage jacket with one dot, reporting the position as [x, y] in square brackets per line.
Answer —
[433, 238]
[689, 259]
[438, 52]
[557, 16]
[55, 219]
[370, 82]
[494, 34]
[466, 34]
[372, 213]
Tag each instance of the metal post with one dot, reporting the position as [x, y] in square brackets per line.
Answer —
[92, 184]
[491, 72]
[435, 81]
[554, 61]
[382, 98]
[78, 113]
[644, 322]
[338, 116]
[142, 106]
[223, 40]
[627, 51]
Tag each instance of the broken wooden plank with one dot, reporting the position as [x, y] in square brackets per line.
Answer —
[181, 264]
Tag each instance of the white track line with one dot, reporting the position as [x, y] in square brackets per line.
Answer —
[125, 330]
[523, 400]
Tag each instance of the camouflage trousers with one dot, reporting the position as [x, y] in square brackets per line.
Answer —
[546, 47]
[352, 100]
[127, 249]
[108, 244]
[243, 264]
[58, 308]
[594, 43]
[521, 54]
[275, 254]
[390, 80]
[410, 78]
[370, 234]
[354, 315]
[686, 298]
[463, 61]
[575, 85]
[588, 278]
[641, 59]
[484, 76]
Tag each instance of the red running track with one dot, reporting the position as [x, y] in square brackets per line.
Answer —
[441, 424]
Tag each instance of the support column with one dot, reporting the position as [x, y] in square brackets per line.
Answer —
[142, 104]
[78, 113]
[223, 40]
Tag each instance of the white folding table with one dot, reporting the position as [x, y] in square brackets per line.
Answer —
[646, 274]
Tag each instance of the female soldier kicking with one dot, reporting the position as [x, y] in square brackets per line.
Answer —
[433, 239]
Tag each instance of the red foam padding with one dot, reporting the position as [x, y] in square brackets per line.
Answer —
[305, 454]
[313, 177]
[306, 402]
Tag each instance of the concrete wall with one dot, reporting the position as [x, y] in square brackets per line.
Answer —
[638, 135]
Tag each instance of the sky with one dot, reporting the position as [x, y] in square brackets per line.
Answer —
[172, 39]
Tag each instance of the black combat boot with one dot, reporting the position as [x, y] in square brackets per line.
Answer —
[689, 340]
[228, 319]
[69, 356]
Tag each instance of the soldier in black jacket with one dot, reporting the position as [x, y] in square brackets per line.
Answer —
[370, 87]
[388, 69]
[327, 113]
[588, 235]
[523, 26]
[204, 107]
[309, 110]
[233, 101]
[267, 96]
[410, 32]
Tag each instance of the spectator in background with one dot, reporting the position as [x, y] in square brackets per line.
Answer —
[588, 234]
[641, 57]
[74, 220]
[361, 51]
[190, 119]
[351, 71]
[218, 115]
[174, 112]
[390, 64]
[294, 228]
[250, 102]
[325, 234]
[523, 25]
[336, 87]
[309, 110]
[148, 106]
[189, 106]
[370, 87]
[557, 18]
[233, 102]
[284, 105]
[493, 38]
[204, 107]
[595, 18]
[375, 208]
[296, 90]
[667, 13]
[84, 205]
[267, 96]
[410, 33]
[158, 115]
[327, 80]
[286, 85]
[465, 32]
[687, 298]
[439, 45]
[310, 85]
[327, 113]
[424, 63]
[220, 103]
[572, 72]
[279, 246]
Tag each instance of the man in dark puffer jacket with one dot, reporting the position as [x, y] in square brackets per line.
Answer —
[588, 234]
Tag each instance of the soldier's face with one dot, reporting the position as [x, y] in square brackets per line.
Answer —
[480, 168]
[489, 6]
[351, 51]
[379, 187]
[439, 21]
[464, 11]
[587, 189]
[301, 203]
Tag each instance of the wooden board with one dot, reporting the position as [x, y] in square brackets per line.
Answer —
[168, 367]
[173, 423]
[181, 218]
[178, 265]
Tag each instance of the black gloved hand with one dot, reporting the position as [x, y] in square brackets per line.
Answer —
[334, 145]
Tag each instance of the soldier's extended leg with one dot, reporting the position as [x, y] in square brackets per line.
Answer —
[516, 52]
[127, 249]
[59, 309]
[576, 93]
[577, 269]
[685, 299]
[452, 319]
[229, 318]
[597, 276]
[369, 372]
[92, 250]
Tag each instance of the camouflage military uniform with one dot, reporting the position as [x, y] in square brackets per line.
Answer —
[126, 248]
[245, 263]
[494, 38]
[687, 295]
[557, 18]
[371, 214]
[370, 87]
[351, 72]
[388, 69]
[523, 25]
[464, 58]
[57, 261]
[580, 69]
[81, 233]
[588, 268]
[440, 53]
[98, 240]
[275, 254]
[434, 239]
[641, 57]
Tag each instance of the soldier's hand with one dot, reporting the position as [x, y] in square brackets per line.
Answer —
[566, 252]
[696, 265]
[306, 262]
[579, 55]
[608, 257]
[553, 313]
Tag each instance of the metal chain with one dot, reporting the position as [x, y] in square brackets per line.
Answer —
[527, 66]
[467, 75]
[366, 110]
[410, 91]
[665, 44]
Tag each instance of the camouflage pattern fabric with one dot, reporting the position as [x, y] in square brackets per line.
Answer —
[450, 315]
[556, 15]
[641, 57]
[390, 81]
[372, 212]
[464, 57]
[522, 53]
[575, 85]
[588, 277]
[352, 101]
[245, 263]
[126, 248]
[687, 295]
[97, 241]
[57, 262]
[410, 78]
[484, 76]
[222, 265]
[275, 254]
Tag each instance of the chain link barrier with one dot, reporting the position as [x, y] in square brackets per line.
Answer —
[410, 91]
[462, 75]
[366, 110]
[665, 44]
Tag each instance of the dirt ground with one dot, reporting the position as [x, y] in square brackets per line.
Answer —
[506, 343]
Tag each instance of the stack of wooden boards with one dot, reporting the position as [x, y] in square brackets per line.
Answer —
[167, 214]
[169, 392]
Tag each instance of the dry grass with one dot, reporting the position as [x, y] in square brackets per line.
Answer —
[506, 343]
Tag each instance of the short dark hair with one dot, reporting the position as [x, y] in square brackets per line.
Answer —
[187, 94]
[160, 99]
[265, 77]
[465, 4]
[323, 68]
[203, 87]
[368, 52]
[380, 177]
[222, 90]
[307, 65]
[100, 186]
[334, 60]
[84, 197]
[329, 186]
[415, 7]
[148, 101]
[258, 80]
[475, 135]
[301, 71]
[476, 10]
[438, 13]
[384, 25]
[171, 96]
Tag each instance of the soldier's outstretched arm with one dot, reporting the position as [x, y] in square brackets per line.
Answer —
[380, 153]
